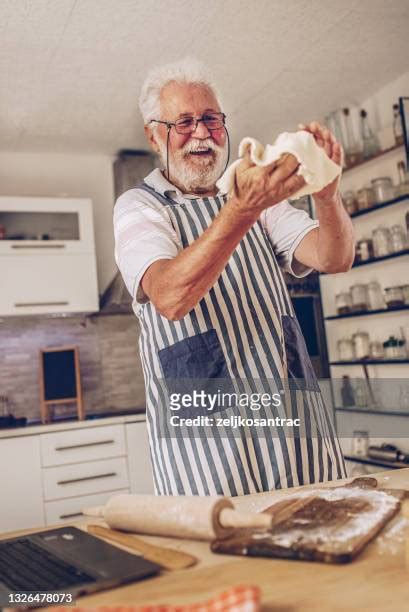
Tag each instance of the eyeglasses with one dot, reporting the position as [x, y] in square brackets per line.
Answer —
[187, 125]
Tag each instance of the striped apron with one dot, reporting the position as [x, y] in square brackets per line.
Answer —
[244, 328]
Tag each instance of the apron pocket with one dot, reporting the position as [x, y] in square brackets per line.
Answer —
[298, 361]
[199, 357]
[196, 365]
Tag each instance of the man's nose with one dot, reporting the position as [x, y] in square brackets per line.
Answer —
[201, 130]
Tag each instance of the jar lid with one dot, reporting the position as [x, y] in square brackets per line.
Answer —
[391, 341]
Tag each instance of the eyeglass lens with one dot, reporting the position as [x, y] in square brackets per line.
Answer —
[213, 121]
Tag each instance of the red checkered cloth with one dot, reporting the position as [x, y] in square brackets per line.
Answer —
[240, 598]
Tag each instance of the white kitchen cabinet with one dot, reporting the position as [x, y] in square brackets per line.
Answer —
[47, 284]
[47, 257]
[139, 465]
[50, 477]
[21, 502]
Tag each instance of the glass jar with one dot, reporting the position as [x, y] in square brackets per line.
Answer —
[392, 348]
[361, 344]
[405, 292]
[376, 350]
[376, 300]
[394, 297]
[383, 189]
[381, 237]
[359, 298]
[345, 348]
[365, 198]
[361, 394]
[403, 187]
[350, 203]
[364, 250]
[398, 238]
[343, 302]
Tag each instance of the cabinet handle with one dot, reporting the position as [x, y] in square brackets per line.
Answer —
[66, 516]
[64, 482]
[62, 448]
[27, 304]
[38, 246]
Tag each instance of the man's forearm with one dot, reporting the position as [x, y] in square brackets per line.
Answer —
[184, 280]
[336, 243]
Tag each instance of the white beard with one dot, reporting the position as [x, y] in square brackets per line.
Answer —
[195, 175]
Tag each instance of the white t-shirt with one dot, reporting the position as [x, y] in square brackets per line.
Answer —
[144, 233]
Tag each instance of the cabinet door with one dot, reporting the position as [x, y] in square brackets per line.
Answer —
[139, 464]
[46, 225]
[48, 284]
[21, 502]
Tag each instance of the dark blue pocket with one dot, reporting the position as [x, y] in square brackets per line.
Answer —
[198, 357]
[298, 361]
[196, 365]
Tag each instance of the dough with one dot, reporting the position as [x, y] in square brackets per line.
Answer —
[315, 166]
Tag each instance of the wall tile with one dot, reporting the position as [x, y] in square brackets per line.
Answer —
[111, 372]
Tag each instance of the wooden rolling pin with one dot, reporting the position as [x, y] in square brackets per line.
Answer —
[195, 517]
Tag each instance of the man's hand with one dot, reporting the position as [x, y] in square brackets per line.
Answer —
[257, 187]
[325, 139]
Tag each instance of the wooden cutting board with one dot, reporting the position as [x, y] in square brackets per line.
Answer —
[320, 524]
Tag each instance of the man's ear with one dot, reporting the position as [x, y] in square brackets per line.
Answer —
[150, 136]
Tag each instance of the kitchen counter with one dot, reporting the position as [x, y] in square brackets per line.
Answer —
[91, 421]
[376, 580]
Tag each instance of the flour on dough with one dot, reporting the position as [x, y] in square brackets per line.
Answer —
[315, 166]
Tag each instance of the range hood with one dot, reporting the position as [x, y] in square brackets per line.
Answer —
[130, 167]
[116, 298]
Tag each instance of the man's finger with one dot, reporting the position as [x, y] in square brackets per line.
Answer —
[293, 184]
[285, 167]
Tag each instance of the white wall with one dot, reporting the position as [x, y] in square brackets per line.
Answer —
[380, 105]
[58, 174]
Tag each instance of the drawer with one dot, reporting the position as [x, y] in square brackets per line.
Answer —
[85, 478]
[68, 510]
[78, 445]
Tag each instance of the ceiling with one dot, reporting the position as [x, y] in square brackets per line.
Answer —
[71, 70]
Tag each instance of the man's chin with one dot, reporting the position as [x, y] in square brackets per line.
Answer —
[202, 160]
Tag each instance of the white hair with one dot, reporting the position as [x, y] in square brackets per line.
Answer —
[188, 70]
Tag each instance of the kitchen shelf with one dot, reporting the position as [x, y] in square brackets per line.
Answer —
[367, 313]
[380, 154]
[369, 362]
[377, 462]
[369, 411]
[358, 264]
[379, 206]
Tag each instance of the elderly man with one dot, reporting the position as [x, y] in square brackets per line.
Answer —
[203, 268]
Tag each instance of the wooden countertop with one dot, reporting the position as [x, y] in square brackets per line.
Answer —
[377, 580]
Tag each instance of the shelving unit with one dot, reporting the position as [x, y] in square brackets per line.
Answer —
[390, 270]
